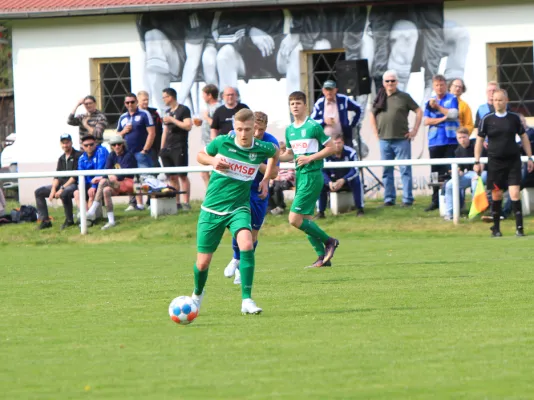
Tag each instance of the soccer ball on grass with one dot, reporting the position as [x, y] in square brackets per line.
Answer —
[183, 310]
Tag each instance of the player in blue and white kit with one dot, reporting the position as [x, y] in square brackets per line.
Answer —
[258, 207]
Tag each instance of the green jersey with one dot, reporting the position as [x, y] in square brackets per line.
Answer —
[305, 140]
[229, 190]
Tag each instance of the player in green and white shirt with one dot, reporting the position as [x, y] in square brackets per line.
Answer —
[236, 161]
[308, 145]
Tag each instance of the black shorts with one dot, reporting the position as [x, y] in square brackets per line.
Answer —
[175, 157]
[503, 173]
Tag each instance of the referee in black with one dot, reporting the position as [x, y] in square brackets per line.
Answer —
[504, 159]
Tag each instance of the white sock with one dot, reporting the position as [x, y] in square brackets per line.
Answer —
[93, 208]
[111, 218]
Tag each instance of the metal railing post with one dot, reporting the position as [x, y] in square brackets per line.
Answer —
[455, 194]
[83, 205]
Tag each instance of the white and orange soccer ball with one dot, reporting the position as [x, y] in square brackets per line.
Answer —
[183, 310]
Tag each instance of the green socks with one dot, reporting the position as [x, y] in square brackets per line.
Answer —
[200, 280]
[317, 245]
[310, 228]
[246, 267]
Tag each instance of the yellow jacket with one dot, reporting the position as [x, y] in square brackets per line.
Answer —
[465, 115]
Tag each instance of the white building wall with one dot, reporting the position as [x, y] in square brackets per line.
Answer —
[52, 59]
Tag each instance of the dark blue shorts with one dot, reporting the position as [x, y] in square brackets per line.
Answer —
[258, 210]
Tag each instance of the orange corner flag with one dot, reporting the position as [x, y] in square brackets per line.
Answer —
[480, 200]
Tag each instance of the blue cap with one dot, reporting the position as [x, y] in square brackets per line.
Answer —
[65, 136]
[329, 84]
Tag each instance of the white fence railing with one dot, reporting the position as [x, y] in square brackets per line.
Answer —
[453, 162]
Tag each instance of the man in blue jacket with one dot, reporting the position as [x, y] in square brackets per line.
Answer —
[341, 179]
[441, 116]
[93, 158]
[332, 112]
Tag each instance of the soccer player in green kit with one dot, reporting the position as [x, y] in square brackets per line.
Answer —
[308, 145]
[236, 161]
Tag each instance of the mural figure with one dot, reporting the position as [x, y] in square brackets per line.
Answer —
[225, 46]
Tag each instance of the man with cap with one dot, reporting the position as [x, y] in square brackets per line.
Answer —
[61, 188]
[114, 185]
[332, 112]
[93, 158]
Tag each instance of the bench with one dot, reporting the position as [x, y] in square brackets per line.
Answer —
[527, 201]
[442, 205]
[341, 202]
[160, 203]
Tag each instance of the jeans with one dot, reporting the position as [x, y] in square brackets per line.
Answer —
[354, 186]
[469, 179]
[42, 194]
[399, 149]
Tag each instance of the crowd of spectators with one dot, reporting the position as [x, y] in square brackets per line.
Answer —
[144, 139]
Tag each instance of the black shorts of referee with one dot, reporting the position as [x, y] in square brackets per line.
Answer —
[503, 172]
[176, 156]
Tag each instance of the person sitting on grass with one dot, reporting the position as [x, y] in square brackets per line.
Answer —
[114, 185]
[467, 177]
[93, 158]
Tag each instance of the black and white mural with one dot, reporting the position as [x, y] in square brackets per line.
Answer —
[232, 48]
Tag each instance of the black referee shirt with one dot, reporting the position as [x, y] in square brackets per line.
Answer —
[501, 131]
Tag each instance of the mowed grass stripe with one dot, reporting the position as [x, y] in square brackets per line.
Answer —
[442, 312]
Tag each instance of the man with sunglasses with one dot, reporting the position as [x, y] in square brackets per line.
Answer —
[389, 122]
[93, 158]
[61, 188]
[136, 126]
[114, 185]
[92, 122]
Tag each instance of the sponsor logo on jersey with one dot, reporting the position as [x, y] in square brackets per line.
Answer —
[304, 146]
[232, 150]
[239, 170]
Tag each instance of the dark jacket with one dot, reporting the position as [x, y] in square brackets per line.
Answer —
[344, 105]
[125, 161]
[68, 164]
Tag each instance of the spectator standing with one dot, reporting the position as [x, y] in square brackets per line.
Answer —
[528, 178]
[504, 159]
[92, 122]
[114, 185]
[341, 179]
[136, 126]
[284, 181]
[223, 117]
[61, 188]
[389, 122]
[465, 115]
[332, 112]
[144, 98]
[441, 116]
[174, 144]
[210, 95]
[486, 108]
[93, 158]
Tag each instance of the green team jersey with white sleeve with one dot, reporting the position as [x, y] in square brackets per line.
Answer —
[305, 140]
[229, 190]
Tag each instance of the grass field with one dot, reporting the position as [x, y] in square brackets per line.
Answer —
[414, 308]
